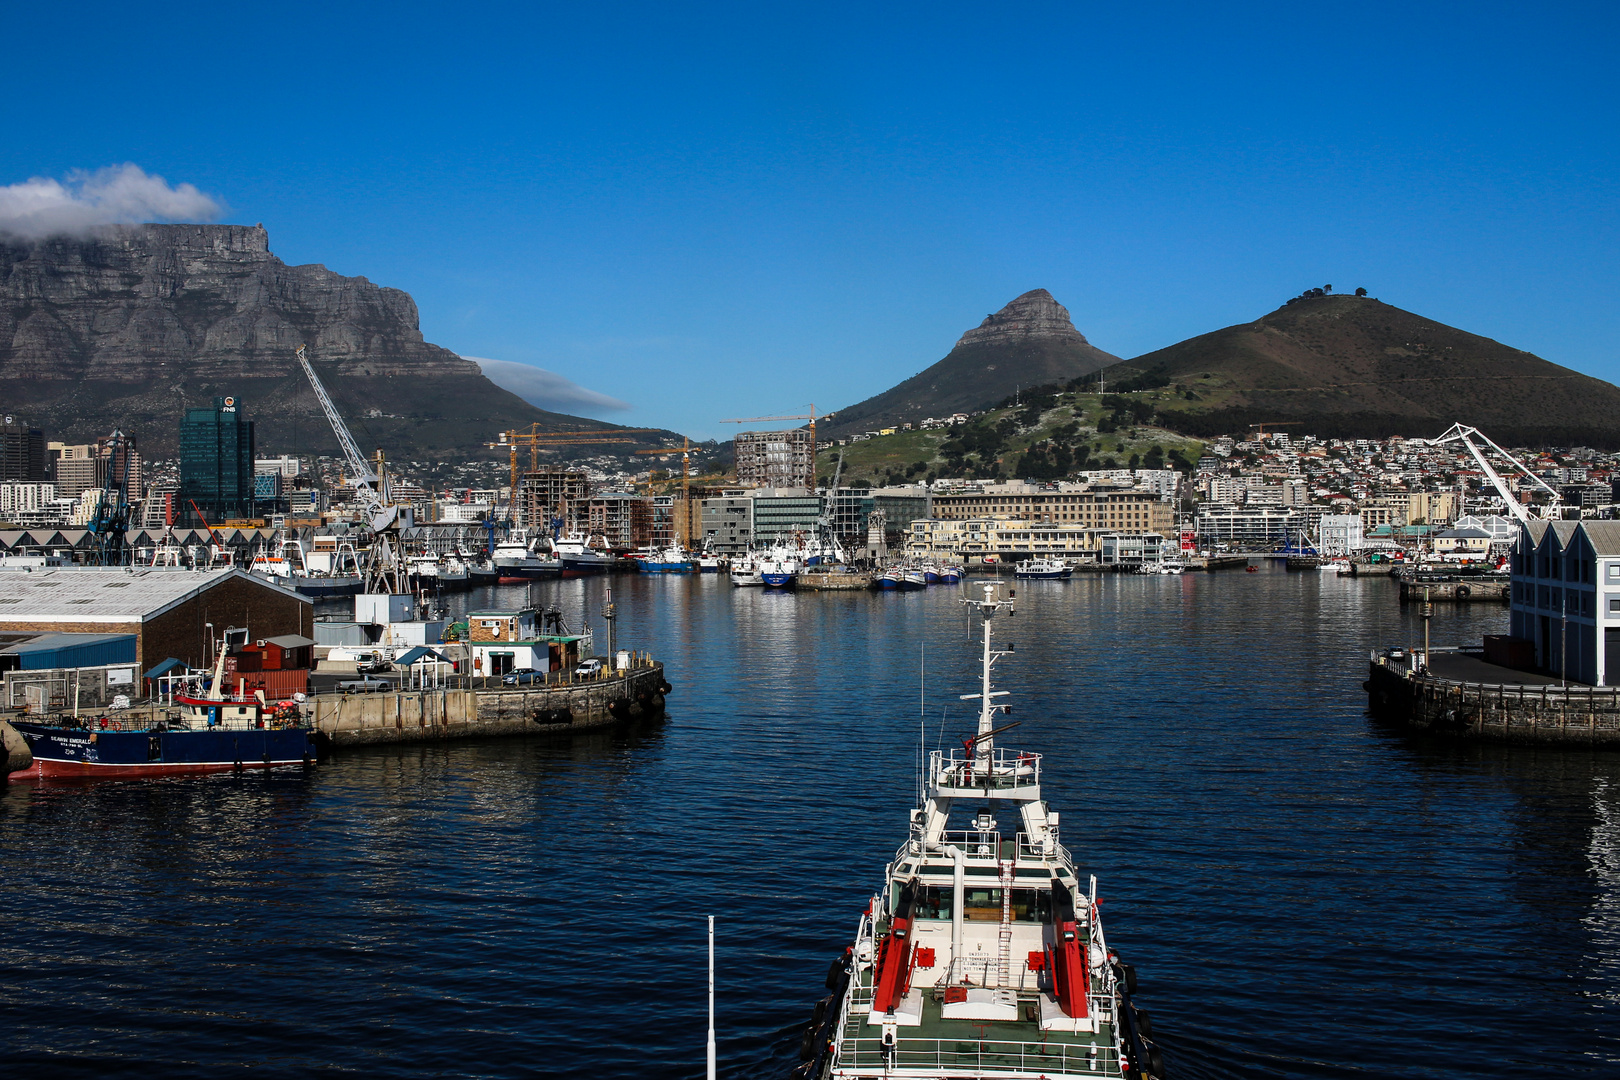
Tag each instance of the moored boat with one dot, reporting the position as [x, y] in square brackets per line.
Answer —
[746, 572]
[1053, 569]
[214, 733]
[669, 560]
[983, 954]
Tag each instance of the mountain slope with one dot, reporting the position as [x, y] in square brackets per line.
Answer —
[1029, 342]
[130, 327]
[1346, 366]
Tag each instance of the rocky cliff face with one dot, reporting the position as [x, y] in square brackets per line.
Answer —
[132, 326]
[1034, 316]
[1029, 342]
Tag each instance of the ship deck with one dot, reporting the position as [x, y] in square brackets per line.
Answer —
[938, 1047]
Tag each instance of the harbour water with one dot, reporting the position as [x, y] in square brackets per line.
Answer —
[1302, 893]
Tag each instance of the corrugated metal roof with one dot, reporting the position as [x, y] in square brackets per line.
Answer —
[46, 651]
[106, 594]
[1605, 536]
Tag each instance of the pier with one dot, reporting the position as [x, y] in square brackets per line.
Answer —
[1459, 694]
[1455, 590]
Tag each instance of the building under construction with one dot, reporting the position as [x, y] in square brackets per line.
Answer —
[776, 459]
[551, 494]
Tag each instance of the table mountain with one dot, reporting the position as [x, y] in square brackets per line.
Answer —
[129, 327]
[1352, 366]
[1029, 342]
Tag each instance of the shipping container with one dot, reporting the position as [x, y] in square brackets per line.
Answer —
[275, 684]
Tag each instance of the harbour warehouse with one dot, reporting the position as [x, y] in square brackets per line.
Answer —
[171, 613]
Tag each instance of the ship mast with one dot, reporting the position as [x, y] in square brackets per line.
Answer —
[995, 598]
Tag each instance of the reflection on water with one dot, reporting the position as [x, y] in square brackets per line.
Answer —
[1303, 892]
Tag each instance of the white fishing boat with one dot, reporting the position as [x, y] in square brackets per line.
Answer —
[983, 954]
[745, 571]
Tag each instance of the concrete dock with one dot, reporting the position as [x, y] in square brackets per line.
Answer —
[455, 713]
[1461, 695]
[1455, 591]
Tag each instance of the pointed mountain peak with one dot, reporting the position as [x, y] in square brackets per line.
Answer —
[1033, 315]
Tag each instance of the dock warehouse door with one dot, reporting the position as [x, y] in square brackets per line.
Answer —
[1611, 656]
[500, 663]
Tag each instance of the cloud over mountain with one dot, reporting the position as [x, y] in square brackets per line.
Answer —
[546, 389]
[43, 207]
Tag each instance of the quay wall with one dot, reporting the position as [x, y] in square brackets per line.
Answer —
[430, 715]
[1571, 716]
[1461, 592]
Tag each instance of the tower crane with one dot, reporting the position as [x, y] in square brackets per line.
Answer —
[385, 565]
[1466, 435]
[534, 439]
[810, 481]
[685, 450]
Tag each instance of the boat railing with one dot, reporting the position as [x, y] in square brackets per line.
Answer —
[983, 1056]
[986, 971]
[1007, 769]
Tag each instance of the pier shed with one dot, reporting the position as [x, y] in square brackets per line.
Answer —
[1565, 598]
[171, 612]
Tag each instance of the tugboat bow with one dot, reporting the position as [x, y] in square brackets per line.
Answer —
[983, 956]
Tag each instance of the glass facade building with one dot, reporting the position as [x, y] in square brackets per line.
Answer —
[216, 461]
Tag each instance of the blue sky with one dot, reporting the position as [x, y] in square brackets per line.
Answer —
[714, 211]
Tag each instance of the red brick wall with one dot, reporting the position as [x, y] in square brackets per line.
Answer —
[182, 632]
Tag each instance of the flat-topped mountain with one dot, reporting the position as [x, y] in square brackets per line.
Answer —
[1029, 342]
[1352, 366]
[135, 324]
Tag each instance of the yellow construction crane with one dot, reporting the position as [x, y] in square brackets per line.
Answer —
[685, 450]
[810, 416]
[534, 439]
[1274, 424]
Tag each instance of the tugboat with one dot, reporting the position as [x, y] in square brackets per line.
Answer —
[214, 733]
[983, 954]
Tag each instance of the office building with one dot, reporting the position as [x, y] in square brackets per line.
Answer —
[22, 452]
[216, 460]
[775, 459]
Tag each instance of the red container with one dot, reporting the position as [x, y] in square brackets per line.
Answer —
[275, 684]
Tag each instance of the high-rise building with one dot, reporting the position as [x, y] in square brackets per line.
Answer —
[775, 459]
[216, 460]
[22, 452]
[552, 494]
[93, 465]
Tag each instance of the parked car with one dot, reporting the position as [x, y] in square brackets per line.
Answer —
[589, 667]
[363, 685]
[519, 676]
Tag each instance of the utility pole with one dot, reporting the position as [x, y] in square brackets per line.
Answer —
[1428, 613]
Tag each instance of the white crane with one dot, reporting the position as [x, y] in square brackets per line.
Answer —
[386, 564]
[1466, 435]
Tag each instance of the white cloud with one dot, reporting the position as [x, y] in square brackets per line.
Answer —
[119, 194]
[545, 389]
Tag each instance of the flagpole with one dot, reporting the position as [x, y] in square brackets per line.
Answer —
[711, 998]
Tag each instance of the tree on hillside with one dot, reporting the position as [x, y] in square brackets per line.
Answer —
[1361, 292]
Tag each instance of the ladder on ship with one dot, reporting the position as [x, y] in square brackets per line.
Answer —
[1008, 867]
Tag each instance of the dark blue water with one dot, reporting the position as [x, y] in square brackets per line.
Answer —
[1303, 893]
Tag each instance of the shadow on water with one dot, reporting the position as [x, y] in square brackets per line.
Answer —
[1303, 893]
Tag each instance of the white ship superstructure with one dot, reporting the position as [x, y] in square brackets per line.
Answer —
[983, 955]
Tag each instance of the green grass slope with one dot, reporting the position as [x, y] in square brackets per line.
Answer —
[1346, 366]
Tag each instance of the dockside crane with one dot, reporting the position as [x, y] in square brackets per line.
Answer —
[109, 528]
[1466, 435]
[385, 564]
